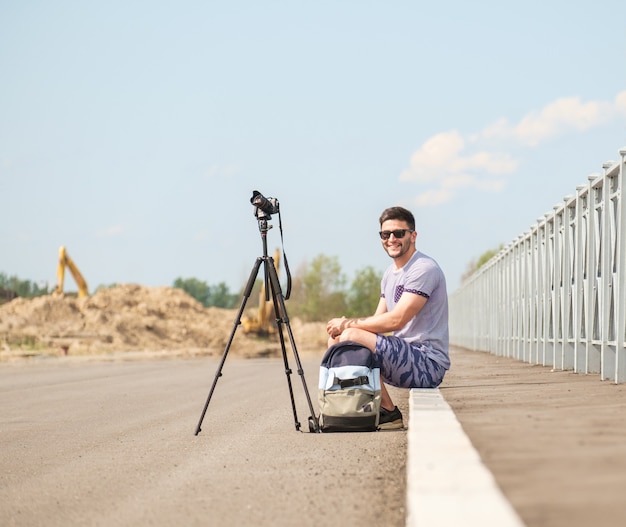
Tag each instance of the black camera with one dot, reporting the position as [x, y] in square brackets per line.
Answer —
[267, 205]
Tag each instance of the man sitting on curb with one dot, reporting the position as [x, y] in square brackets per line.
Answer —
[413, 307]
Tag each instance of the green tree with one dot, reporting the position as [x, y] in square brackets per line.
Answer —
[23, 288]
[220, 296]
[475, 265]
[195, 288]
[217, 296]
[318, 289]
[364, 293]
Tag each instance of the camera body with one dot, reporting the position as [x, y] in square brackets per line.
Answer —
[264, 207]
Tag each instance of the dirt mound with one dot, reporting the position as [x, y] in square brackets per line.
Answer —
[133, 318]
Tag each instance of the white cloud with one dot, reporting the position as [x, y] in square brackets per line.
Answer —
[433, 197]
[441, 157]
[111, 232]
[443, 161]
[556, 118]
[433, 159]
[560, 116]
[492, 163]
[620, 102]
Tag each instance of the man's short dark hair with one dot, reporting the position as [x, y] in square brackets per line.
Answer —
[398, 213]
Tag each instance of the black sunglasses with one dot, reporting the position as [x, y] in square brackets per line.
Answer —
[398, 233]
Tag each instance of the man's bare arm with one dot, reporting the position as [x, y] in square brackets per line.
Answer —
[382, 321]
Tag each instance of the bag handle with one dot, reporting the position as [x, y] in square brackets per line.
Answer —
[349, 383]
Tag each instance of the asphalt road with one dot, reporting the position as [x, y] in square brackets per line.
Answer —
[113, 443]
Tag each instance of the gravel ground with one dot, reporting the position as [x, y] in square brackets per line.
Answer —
[112, 443]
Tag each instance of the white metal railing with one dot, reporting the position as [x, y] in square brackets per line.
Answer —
[557, 294]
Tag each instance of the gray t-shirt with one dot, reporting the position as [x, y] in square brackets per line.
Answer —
[421, 276]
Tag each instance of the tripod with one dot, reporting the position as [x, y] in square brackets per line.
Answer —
[282, 319]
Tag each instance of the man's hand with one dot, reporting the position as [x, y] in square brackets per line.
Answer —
[336, 326]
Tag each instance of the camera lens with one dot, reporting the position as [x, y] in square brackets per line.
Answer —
[267, 205]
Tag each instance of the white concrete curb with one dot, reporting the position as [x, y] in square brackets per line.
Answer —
[447, 483]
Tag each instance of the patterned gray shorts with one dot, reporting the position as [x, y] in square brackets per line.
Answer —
[407, 365]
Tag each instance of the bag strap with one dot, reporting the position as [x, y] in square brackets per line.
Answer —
[349, 383]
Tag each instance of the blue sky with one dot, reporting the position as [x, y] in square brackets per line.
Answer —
[134, 132]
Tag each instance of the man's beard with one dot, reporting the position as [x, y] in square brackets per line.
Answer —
[403, 249]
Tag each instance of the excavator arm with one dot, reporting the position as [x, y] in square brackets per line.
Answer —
[66, 261]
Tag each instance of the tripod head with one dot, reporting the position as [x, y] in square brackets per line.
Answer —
[263, 210]
[264, 207]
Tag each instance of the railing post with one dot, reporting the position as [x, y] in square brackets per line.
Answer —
[620, 274]
[569, 260]
[593, 302]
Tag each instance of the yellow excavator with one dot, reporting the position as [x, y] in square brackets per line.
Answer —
[264, 322]
[66, 261]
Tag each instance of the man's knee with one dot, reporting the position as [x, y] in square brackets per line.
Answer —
[350, 334]
[359, 335]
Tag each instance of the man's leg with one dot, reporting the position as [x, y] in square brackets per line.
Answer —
[369, 341]
[390, 416]
[385, 398]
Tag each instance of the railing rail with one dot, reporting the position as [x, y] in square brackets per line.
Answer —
[556, 295]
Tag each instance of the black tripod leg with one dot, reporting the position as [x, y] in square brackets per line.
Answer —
[288, 372]
[282, 318]
[218, 374]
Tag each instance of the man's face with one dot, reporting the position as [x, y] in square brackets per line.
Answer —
[397, 247]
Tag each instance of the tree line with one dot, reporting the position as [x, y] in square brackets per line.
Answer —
[11, 286]
[320, 289]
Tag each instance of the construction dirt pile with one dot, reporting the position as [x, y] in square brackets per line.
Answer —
[136, 321]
